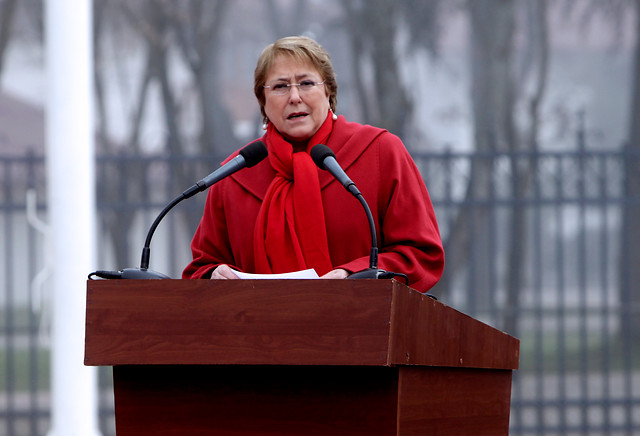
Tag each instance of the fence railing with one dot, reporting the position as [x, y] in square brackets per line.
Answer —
[535, 244]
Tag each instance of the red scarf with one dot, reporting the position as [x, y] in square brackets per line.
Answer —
[290, 232]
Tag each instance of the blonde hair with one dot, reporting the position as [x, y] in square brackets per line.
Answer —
[303, 49]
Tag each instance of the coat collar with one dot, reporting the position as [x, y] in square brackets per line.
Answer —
[347, 140]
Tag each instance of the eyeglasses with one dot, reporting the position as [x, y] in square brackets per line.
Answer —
[282, 88]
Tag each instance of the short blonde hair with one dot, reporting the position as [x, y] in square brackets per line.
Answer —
[303, 49]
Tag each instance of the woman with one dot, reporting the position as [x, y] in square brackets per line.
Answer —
[285, 214]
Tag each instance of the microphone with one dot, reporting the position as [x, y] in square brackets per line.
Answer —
[325, 159]
[249, 156]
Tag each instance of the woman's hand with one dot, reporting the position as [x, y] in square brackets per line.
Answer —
[223, 272]
[336, 274]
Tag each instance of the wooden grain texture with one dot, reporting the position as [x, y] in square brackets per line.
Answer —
[453, 401]
[255, 400]
[289, 322]
[285, 357]
[427, 332]
[286, 322]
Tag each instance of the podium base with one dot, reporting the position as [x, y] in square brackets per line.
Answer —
[262, 400]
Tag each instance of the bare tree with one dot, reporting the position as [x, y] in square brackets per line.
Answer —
[523, 170]
[373, 33]
[497, 88]
[493, 102]
[191, 28]
[494, 96]
[614, 12]
[424, 21]
[287, 20]
[7, 13]
[120, 183]
[197, 25]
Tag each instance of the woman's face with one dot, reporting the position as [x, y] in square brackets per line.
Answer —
[297, 114]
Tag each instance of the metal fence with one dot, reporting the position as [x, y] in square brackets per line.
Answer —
[534, 245]
[542, 256]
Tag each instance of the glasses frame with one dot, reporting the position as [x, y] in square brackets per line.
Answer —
[287, 89]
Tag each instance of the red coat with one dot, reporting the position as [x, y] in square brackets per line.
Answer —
[380, 166]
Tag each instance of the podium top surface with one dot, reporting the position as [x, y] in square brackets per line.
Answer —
[284, 322]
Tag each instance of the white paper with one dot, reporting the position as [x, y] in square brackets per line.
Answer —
[304, 274]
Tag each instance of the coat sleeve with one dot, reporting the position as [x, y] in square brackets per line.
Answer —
[210, 245]
[408, 235]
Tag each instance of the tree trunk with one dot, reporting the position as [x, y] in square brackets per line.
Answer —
[356, 38]
[217, 129]
[524, 171]
[469, 244]
[394, 106]
[6, 24]
[372, 29]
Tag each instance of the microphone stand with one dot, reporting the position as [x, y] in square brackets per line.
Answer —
[373, 272]
[325, 159]
[144, 272]
[249, 156]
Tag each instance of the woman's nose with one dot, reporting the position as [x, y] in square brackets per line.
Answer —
[294, 94]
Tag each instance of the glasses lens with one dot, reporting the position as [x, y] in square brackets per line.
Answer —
[280, 88]
[306, 85]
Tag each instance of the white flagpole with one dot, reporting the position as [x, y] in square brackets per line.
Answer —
[71, 210]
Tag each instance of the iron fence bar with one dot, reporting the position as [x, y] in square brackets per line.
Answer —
[10, 332]
[32, 328]
[626, 303]
[537, 286]
[512, 212]
[581, 260]
[560, 250]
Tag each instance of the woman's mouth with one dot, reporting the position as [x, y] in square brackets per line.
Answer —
[297, 115]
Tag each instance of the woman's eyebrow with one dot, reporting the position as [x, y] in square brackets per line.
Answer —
[297, 77]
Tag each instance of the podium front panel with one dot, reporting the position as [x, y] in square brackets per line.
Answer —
[273, 322]
[255, 400]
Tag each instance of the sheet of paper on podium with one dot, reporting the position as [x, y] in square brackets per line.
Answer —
[304, 274]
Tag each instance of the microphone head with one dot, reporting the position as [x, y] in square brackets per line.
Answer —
[319, 153]
[254, 153]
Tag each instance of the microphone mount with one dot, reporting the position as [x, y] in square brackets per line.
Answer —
[325, 159]
[249, 156]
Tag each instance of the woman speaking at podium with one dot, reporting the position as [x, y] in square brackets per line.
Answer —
[285, 214]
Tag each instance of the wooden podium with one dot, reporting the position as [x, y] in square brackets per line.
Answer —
[296, 357]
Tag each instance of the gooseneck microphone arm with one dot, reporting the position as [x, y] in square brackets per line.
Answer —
[249, 156]
[325, 159]
[373, 255]
[146, 250]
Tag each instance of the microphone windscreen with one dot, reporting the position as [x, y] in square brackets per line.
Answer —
[319, 153]
[254, 153]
